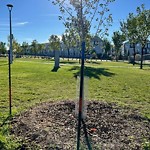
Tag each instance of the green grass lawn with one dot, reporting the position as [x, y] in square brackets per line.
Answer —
[34, 82]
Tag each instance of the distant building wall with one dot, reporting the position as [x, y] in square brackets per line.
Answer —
[127, 48]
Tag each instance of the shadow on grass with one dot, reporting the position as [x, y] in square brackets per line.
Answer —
[3, 64]
[55, 69]
[4, 130]
[147, 65]
[68, 62]
[92, 72]
[2, 145]
[93, 62]
[6, 121]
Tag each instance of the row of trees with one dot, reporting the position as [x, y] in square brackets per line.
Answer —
[109, 50]
[135, 28]
[67, 42]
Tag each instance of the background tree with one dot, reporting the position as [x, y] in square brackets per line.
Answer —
[129, 29]
[41, 47]
[137, 28]
[16, 47]
[2, 48]
[143, 28]
[107, 47]
[89, 45]
[25, 47]
[117, 39]
[54, 42]
[68, 40]
[34, 47]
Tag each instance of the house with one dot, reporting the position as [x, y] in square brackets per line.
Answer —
[97, 45]
[128, 49]
[74, 52]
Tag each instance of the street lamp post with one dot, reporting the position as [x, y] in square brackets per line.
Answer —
[10, 56]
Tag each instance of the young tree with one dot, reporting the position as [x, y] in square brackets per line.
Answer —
[2, 48]
[54, 42]
[83, 16]
[16, 47]
[25, 47]
[137, 28]
[129, 29]
[118, 38]
[68, 41]
[41, 47]
[106, 46]
[34, 47]
[143, 28]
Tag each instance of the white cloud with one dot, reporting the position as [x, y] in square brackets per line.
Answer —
[21, 23]
[16, 24]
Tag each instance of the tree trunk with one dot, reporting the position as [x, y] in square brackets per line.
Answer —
[134, 55]
[68, 54]
[116, 55]
[56, 57]
[116, 58]
[142, 52]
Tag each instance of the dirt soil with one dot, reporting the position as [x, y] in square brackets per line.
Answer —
[53, 126]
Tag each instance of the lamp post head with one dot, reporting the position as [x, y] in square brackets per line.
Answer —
[10, 6]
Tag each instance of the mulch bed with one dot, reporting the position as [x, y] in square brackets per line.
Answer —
[53, 126]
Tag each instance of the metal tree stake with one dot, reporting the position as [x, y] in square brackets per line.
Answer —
[81, 94]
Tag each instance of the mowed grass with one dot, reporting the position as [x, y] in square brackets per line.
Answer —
[34, 82]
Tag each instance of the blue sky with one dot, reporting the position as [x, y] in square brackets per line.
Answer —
[38, 19]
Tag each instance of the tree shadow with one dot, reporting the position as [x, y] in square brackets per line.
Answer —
[147, 65]
[93, 62]
[3, 64]
[55, 69]
[6, 120]
[92, 72]
[68, 62]
[2, 145]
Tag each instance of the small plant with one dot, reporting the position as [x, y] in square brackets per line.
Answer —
[7, 141]
[2, 142]
[146, 145]
[82, 146]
